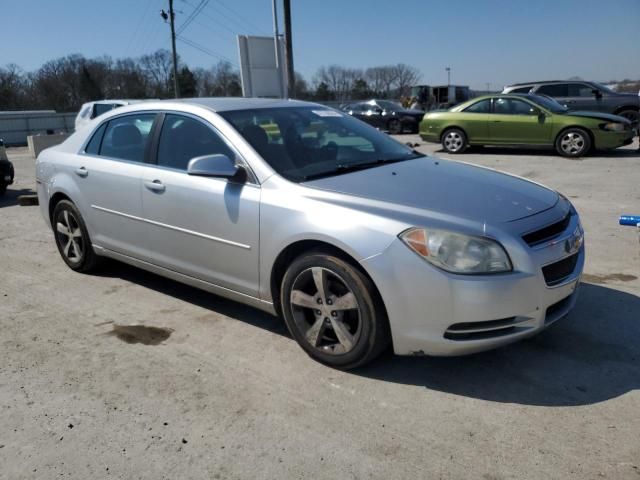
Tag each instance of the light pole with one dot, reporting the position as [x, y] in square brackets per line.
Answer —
[448, 69]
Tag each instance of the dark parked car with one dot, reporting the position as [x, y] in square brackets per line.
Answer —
[6, 170]
[581, 95]
[385, 115]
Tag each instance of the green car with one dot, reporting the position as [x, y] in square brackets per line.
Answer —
[526, 120]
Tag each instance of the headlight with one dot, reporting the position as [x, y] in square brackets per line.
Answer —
[612, 127]
[457, 253]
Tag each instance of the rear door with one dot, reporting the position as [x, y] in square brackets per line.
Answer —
[108, 174]
[515, 121]
[202, 227]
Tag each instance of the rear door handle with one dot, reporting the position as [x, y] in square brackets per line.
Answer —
[82, 172]
[156, 186]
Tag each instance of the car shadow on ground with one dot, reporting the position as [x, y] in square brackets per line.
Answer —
[195, 296]
[10, 198]
[542, 152]
[591, 356]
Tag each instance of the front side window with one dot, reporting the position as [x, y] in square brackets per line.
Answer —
[183, 138]
[512, 106]
[483, 106]
[555, 90]
[580, 90]
[126, 137]
[302, 143]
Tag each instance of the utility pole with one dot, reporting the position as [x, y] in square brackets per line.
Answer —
[448, 69]
[276, 42]
[288, 49]
[173, 47]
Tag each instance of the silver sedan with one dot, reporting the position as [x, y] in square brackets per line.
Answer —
[358, 241]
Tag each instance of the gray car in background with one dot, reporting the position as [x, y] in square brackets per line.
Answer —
[357, 240]
[582, 95]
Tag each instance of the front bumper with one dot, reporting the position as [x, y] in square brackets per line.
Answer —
[608, 140]
[437, 313]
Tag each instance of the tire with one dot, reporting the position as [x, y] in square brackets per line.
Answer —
[454, 140]
[631, 115]
[394, 126]
[573, 142]
[3, 189]
[344, 327]
[72, 238]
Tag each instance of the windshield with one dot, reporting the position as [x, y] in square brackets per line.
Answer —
[548, 103]
[387, 105]
[302, 143]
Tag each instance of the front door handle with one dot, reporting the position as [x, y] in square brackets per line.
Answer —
[82, 172]
[156, 186]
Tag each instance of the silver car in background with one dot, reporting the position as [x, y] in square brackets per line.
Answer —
[297, 209]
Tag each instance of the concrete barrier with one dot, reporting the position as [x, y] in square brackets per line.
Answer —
[37, 143]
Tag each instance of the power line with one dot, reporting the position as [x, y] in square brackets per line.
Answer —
[206, 50]
[213, 19]
[192, 16]
[241, 17]
[140, 23]
[242, 24]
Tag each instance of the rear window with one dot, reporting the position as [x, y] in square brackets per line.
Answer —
[521, 90]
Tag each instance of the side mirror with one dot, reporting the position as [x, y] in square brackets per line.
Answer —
[217, 165]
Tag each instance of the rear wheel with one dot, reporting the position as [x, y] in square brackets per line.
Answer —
[333, 311]
[72, 238]
[573, 142]
[454, 140]
[3, 188]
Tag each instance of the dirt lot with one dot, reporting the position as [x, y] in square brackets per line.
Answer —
[219, 390]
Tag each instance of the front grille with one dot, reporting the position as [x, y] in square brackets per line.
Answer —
[557, 272]
[547, 233]
[482, 330]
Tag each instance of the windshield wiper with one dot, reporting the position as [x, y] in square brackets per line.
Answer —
[351, 167]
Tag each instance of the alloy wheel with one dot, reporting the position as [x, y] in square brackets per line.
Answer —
[572, 143]
[326, 311]
[453, 141]
[69, 236]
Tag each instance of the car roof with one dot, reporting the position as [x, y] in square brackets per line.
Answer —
[543, 82]
[222, 104]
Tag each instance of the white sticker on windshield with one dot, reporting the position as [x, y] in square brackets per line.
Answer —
[327, 113]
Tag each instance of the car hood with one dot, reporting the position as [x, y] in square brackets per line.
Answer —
[599, 116]
[446, 187]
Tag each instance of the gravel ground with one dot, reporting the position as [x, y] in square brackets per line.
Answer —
[125, 374]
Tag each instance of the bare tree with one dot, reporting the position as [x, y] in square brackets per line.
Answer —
[405, 77]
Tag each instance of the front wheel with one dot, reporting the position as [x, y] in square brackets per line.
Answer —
[573, 142]
[394, 126]
[72, 238]
[333, 311]
[631, 115]
[454, 140]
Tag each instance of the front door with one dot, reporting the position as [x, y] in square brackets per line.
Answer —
[202, 227]
[517, 122]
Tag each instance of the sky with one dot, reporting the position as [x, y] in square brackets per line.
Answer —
[494, 42]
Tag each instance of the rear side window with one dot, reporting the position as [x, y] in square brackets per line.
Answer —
[483, 106]
[100, 108]
[183, 138]
[126, 137]
[557, 90]
[93, 147]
